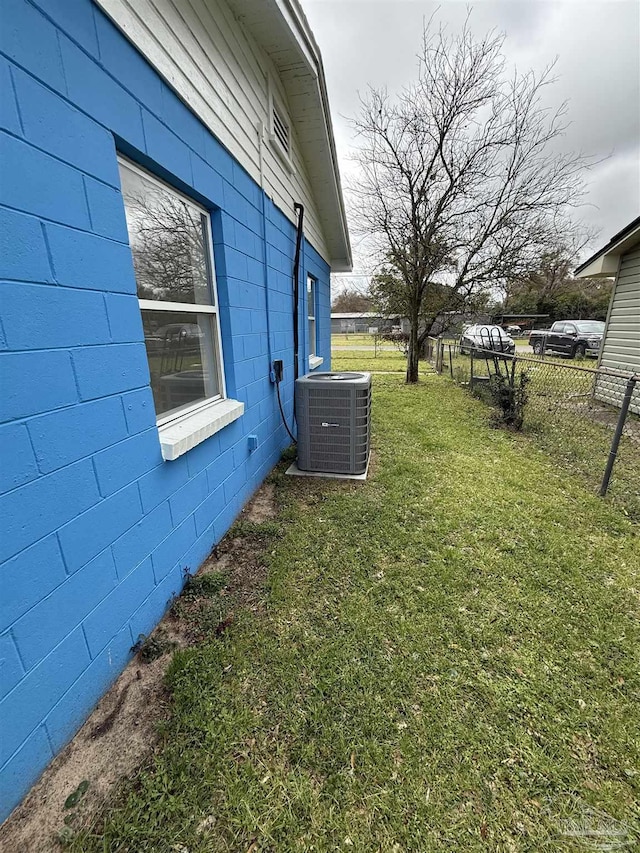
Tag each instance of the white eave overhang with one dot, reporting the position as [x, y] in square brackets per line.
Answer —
[282, 31]
[604, 264]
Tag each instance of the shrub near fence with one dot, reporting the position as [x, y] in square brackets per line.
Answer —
[569, 412]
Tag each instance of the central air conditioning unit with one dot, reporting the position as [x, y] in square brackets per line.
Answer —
[333, 411]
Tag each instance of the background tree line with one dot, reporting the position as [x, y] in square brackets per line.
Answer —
[552, 289]
[549, 289]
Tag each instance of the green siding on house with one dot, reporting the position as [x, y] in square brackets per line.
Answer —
[621, 349]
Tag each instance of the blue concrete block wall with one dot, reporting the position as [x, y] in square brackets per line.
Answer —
[97, 529]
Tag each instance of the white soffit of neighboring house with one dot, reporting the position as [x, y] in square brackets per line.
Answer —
[604, 264]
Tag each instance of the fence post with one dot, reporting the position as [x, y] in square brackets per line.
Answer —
[450, 362]
[624, 409]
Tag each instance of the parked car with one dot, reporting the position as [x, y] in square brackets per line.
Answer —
[569, 337]
[514, 330]
[173, 337]
[480, 337]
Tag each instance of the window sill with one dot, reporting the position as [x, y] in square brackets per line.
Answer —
[181, 435]
[315, 361]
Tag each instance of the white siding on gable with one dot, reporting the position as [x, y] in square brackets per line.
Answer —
[218, 69]
[621, 349]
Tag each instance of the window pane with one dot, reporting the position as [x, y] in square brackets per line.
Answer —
[169, 242]
[311, 313]
[312, 336]
[180, 349]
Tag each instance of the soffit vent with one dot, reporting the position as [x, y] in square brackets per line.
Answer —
[280, 129]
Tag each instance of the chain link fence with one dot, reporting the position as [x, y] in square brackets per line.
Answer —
[587, 417]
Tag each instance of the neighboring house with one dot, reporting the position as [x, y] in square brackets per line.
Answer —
[526, 321]
[621, 345]
[362, 322]
[152, 154]
[452, 323]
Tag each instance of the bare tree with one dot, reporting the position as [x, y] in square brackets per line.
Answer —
[461, 182]
[352, 300]
[168, 247]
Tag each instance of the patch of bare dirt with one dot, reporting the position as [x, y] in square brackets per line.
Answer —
[122, 730]
[110, 745]
[262, 506]
[243, 555]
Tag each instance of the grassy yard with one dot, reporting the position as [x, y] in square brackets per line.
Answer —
[359, 360]
[387, 359]
[352, 340]
[447, 660]
[361, 354]
[571, 424]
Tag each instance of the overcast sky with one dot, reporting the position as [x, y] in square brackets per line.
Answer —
[598, 49]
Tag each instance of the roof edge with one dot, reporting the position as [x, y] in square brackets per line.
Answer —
[604, 263]
[292, 16]
[337, 264]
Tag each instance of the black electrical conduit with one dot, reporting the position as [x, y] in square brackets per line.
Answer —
[299, 209]
[284, 420]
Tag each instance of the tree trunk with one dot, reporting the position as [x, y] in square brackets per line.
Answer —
[413, 354]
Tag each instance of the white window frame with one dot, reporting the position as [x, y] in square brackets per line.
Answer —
[312, 318]
[192, 423]
[152, 305]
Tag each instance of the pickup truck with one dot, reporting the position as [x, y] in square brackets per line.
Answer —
[569, 337]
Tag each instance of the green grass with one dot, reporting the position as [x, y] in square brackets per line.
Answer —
[570, 424]
[363, 360]
[353, 340]
[447, 661]
[385, 361]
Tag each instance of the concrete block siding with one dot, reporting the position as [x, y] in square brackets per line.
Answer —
[97, 529]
